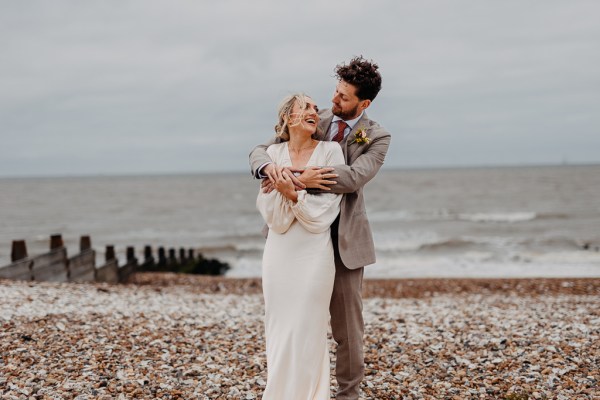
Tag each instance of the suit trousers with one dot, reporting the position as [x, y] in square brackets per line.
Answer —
[347, 327]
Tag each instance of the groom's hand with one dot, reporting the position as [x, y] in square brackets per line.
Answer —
[317, 177]
[268, 184]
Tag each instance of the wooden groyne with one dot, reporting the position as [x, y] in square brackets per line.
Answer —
[57, 266]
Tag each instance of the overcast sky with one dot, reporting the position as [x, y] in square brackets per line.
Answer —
[116, 87]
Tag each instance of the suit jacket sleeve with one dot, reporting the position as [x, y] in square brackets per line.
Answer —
[354, 176]
[258, 156]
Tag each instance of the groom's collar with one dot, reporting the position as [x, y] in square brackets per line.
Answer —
[350, 122]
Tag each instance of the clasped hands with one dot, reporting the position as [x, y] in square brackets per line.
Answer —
[285, 181]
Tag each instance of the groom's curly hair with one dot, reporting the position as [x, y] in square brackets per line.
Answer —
[363, 74]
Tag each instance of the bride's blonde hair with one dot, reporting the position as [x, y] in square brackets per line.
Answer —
[284, 114]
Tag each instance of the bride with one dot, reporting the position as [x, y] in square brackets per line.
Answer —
[298, 264]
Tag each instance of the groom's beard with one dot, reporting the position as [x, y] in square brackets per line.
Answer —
[345, 115]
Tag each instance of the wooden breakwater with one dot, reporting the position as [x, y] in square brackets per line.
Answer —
[57, 266]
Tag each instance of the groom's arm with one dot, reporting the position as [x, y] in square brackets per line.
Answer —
[259, 158]
[352, 177]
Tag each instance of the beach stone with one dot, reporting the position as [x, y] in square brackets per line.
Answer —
[184, 339]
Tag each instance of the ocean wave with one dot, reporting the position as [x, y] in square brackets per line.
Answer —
[555, 242]
[405, 215]
[499, 217]
[228, 247]
[230, 243]
[448, 215]
[552, 215]
[466, 265]
[434, 243]
[421, 242]
[448, 244]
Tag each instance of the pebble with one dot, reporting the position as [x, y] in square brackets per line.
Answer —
[172, 337]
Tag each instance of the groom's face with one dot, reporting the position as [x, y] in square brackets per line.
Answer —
[346, 104]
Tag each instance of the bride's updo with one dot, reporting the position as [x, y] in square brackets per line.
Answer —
[284, 114]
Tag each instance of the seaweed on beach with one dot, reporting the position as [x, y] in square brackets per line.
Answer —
[198, 265]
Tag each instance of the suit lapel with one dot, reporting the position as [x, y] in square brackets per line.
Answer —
[350, 146]
[324, 125]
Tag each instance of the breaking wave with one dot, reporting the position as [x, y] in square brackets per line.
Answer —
[447, 215]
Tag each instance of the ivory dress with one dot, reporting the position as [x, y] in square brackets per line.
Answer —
[297, 273]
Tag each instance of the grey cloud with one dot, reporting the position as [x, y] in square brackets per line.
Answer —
[118, 87]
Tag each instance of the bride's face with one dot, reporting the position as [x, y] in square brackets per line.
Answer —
[304, 118]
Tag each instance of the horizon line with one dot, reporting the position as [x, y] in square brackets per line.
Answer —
[236, 172]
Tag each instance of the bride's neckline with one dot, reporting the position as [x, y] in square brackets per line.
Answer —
[312, 146]
[312, 143]
[287, 148]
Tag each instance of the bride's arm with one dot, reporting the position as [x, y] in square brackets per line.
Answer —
[276, 210]
[274, 207]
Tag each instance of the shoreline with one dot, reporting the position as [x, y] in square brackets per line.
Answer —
[389, 288]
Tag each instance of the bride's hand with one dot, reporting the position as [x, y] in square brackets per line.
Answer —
[284, 184]
[267, 185]
[270, 172]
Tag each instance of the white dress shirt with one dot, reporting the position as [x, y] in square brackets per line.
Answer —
[333, 130]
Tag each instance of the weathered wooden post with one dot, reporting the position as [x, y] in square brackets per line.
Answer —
[130, 254]
[182, 256]
[52, 266]
[109, 272]
[172, 259]
[21, 265]
[162, 259]
[149, 262]
[109, 255]
[19, 250]
[82, 266]
[85, 243]
[56, 242]
[131, 263]
[191, 255]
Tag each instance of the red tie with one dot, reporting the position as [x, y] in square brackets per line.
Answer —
[339, 136]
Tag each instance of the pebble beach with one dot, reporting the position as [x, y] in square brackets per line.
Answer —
[167, 336]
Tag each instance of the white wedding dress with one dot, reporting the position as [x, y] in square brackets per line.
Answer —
[298, 273]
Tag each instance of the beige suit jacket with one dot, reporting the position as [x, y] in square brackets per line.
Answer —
[363, 160]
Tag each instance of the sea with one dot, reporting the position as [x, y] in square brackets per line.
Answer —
[492, 222]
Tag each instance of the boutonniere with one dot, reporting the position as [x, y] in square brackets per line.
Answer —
[360, 136]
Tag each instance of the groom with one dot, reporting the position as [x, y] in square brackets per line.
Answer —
[365, 144]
